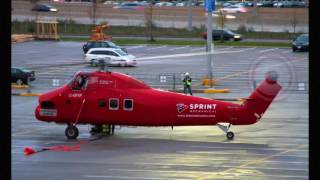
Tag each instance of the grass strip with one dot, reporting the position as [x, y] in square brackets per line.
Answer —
[122, 41]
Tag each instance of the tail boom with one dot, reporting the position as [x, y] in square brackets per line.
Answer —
[258, 102]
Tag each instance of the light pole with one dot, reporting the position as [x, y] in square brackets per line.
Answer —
[209, 6]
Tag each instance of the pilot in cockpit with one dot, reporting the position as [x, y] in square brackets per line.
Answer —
[80, 82]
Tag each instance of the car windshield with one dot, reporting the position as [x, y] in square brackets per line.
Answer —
[303, 39]
[122, 53]
[229, 32]
[112, 44]
[24, 70]
[129, 4]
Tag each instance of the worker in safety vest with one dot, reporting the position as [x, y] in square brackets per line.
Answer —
[187, 83]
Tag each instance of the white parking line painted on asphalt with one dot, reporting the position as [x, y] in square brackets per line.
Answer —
[200, 172]
[156, 47]
[160, 171]
[171, 164]
[246, 160]
[223, 158]
[36, 136]
[199, 49]
[285, 52]
[183, 47]
[30, 131]
[247, 148]
[267, 50]
[238, 153]
[135, 47]
[120, 177]
[18, 152]
[223, 49]
[26, 52]
[192, 54]
[224, 166]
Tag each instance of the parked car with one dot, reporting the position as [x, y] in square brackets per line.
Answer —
[234, 9]
[278, 4]
[248, 4]
[169, 4]
[130, 6]
[267, 3]
[301, 43]
[114, 57]
[44, 8]
[180, 4]
[287, 4]
[158, 4]
[226, 4]
[226, 34]
[21, 75]
[101, 44]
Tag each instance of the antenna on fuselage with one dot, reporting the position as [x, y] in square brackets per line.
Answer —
[103, 64]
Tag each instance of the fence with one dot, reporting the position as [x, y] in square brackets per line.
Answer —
[173, 81]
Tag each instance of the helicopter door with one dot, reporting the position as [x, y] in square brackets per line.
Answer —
[76, 96]
[93, 107]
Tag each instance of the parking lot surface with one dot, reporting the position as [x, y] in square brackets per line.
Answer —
[274, 148]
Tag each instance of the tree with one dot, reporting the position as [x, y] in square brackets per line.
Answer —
[149, 20]
[294, 20]
[94, 11]
[221, 21]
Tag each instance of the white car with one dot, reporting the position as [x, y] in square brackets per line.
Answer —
[234, 9]
[113, 56]
[181, 4]
[159, 4]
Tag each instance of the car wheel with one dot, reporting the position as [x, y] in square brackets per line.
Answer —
[19, 82]
[294, 49]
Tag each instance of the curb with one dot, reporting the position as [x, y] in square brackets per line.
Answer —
[25, 94]
[16, 86]
[207, 91]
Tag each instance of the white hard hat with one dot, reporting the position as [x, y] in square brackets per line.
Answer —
[186, 74]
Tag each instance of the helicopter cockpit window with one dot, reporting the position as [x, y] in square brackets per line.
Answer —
[80, 82]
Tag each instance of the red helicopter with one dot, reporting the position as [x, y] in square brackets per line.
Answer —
[103, 98]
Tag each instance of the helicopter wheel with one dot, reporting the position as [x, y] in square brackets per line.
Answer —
[72, 132]
[230, 135]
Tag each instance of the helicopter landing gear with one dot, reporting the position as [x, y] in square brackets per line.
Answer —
[104, 129]
[96, 129]
[72, 132]
[112, 129]
[229, 134]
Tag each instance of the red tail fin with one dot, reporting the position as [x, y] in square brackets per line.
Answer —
[259, 101]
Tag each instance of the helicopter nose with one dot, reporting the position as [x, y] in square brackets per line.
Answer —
[46, 109]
